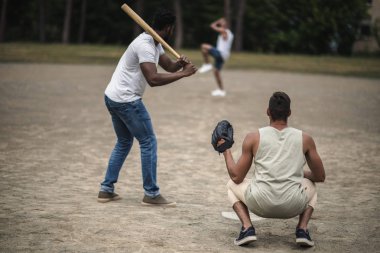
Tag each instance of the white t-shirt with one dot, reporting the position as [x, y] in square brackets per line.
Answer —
[224, 45]
[128, 82]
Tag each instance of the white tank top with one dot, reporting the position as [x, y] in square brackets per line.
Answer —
[275, 191]
[224, 45]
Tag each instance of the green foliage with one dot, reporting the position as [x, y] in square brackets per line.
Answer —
[304, 26]
[276, 26]
[99, 54]
[376, 31]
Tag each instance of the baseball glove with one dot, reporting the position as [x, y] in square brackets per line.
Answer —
[223, 130]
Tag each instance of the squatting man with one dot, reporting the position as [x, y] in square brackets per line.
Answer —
[280, 188]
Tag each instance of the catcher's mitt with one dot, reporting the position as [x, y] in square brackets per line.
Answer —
[223, 130]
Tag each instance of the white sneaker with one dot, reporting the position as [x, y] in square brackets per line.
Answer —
[218, 93]
[205, 67]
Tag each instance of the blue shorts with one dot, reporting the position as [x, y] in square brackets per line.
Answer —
[219, 61]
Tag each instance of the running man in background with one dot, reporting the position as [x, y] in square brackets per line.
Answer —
[220, 54]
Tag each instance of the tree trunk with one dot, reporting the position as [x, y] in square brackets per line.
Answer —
[238, 46]
[227, 12]
[139, 7]
[66, 22]
[41, 29]
[82, 25]
[3, 20]
[179, 24]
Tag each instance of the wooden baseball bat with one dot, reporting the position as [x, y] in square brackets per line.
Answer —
[148, 29]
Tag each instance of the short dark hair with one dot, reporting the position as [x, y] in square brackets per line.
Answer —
[163, 18]
[279, 106]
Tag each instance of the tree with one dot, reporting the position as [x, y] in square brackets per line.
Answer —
[227, 12]
[298, 26]
[3, 20]
[82, 25]
[41, 25]
[139, 7]
[179, 24]
[292, 26]
[66, 22]
[238, 44]
[376, 30]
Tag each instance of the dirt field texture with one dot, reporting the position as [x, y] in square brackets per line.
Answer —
[56, 137]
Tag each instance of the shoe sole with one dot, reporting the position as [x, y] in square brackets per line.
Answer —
[246, 240]
[173, 204]
[304, 242]
[218, 94]
[105, 200]
[204, 71]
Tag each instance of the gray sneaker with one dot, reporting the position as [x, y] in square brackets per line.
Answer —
[157, 201]
[104, 197]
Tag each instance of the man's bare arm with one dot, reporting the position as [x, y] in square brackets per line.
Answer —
[167, 64]
[314, 161]
[172, 66]
[154, 78]
[217, 26]
[239, 170]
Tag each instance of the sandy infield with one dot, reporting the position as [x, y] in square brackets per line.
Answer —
[56, 137]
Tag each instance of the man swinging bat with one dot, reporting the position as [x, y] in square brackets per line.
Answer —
[123, 98]
[280, 187]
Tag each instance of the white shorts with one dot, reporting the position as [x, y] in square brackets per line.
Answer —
[236, 192]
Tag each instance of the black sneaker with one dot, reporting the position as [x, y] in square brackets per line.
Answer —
[157, 201]
[104, 197]
[303, 238]
[246, 237]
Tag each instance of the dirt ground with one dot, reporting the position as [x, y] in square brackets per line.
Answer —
[56, 137]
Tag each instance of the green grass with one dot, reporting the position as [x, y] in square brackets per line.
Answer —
[59, 53]
[101, 54]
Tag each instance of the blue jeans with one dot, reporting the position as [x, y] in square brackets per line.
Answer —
[132, 120]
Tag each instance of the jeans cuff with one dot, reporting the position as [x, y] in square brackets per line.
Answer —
[106, 189]
[152, 194]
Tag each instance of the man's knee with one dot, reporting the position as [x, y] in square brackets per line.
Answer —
[311, 191]
[125, 141]
[149, 141]
[309, 186]
[123, 145]
[236, 192]
[205, 47]
[230, 184]
[232, 198]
